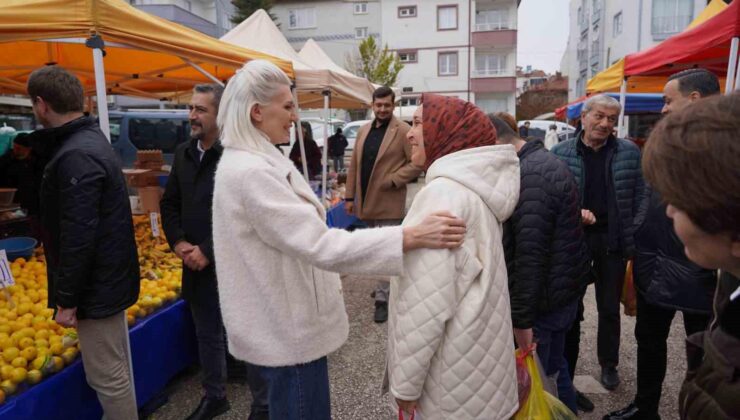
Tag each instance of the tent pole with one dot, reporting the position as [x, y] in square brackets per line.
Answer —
[96, 44]
[731, 67]
[202, 71]
[325, 152]
[299, 135]
[622, 102]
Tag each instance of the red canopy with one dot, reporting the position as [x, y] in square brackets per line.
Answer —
[706, 46]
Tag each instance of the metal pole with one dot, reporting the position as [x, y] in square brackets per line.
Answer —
[96, 43]
[202, 71]
[622, 102]
[325, 152]
[732, 68]
[299, 134]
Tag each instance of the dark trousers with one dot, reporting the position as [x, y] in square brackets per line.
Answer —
[211, 336]
[608, 269]
[338, 163]
[298, 392]
[549, 332]
[651, 331]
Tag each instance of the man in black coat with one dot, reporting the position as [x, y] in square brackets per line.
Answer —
[91, 256]
[665, 279]
[337, 145]
[546, 256]
[186, 218]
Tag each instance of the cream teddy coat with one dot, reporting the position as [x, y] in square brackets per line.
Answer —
[276, 261]
[450, 342]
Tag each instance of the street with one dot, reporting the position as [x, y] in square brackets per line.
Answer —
[356, 370]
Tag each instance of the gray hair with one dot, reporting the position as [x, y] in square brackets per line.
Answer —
[256, 83]
[215, 89]
[601, 100]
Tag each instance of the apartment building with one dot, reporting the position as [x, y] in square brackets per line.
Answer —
[212, 17]
[603, 31]
[461, 48]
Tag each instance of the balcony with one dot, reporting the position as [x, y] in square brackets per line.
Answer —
[491, 73]
[494, 38]
[182, 16]
[493, 84]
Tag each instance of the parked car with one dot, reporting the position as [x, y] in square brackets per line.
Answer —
[350, 131]
[164, 130]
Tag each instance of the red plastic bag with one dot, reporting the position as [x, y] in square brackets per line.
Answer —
[629, 296]
[523, 379]
[400, 414]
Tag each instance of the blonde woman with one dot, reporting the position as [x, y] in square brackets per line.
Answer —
[275, 257]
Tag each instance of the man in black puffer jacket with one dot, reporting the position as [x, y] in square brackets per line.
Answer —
[665, 279]
[91, 256]
[546, 256]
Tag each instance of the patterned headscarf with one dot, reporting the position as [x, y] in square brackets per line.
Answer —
[451, 125]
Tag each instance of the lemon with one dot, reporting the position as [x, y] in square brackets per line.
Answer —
[19, 375]
[8, 387]
[11, 353]
[6, 371]
[19, 362]
[29, 353]
[34, 376]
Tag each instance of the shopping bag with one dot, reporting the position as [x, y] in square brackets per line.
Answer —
[629, 298]
[401, 417]
[539, 405]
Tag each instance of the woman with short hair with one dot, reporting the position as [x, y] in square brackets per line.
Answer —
[276, 259]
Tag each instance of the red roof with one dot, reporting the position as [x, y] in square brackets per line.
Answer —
[706, 46]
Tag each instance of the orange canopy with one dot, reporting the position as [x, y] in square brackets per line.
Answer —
[145, 55]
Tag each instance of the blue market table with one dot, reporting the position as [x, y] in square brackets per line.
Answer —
[337, 217]
[162, 345]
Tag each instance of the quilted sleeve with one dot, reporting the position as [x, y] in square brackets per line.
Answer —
[428, 295]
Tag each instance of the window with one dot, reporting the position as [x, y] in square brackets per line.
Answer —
[407, 89]
[408, 56]
[350, 132]
[302, 18]
[157, 133]
[617, 27]
[447, 64]
[492, 20]
[361, 33]
[407, 11]
[490, 64]
[361, 8]
[493, 105]
[115, 128]
[410, 101]
[446, 18]
[671, 16]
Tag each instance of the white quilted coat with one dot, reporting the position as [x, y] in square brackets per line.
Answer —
[450, 340]
[276, 261]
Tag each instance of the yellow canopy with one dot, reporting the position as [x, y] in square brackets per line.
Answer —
[145, 54]
[610, 80]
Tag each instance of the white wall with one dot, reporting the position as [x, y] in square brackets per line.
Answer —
[335, 26]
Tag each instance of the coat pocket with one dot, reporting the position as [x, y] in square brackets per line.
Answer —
[328, 290]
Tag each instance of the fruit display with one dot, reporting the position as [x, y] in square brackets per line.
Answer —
[33, 346]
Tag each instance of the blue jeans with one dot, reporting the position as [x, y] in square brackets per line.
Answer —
[299, 392]
[549, 332]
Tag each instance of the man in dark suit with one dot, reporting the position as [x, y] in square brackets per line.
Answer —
[186, 218]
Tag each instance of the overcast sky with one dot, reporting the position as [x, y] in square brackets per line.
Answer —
[542, 33]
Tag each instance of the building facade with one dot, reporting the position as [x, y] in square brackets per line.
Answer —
[604, 31]
[460, 48]
[212, 17]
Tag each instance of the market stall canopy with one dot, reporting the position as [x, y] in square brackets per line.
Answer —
[706, 45]
[636, 103]
[610, 80]
[145, 54]
[259, 33]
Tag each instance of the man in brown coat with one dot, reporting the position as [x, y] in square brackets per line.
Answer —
[378, 173]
